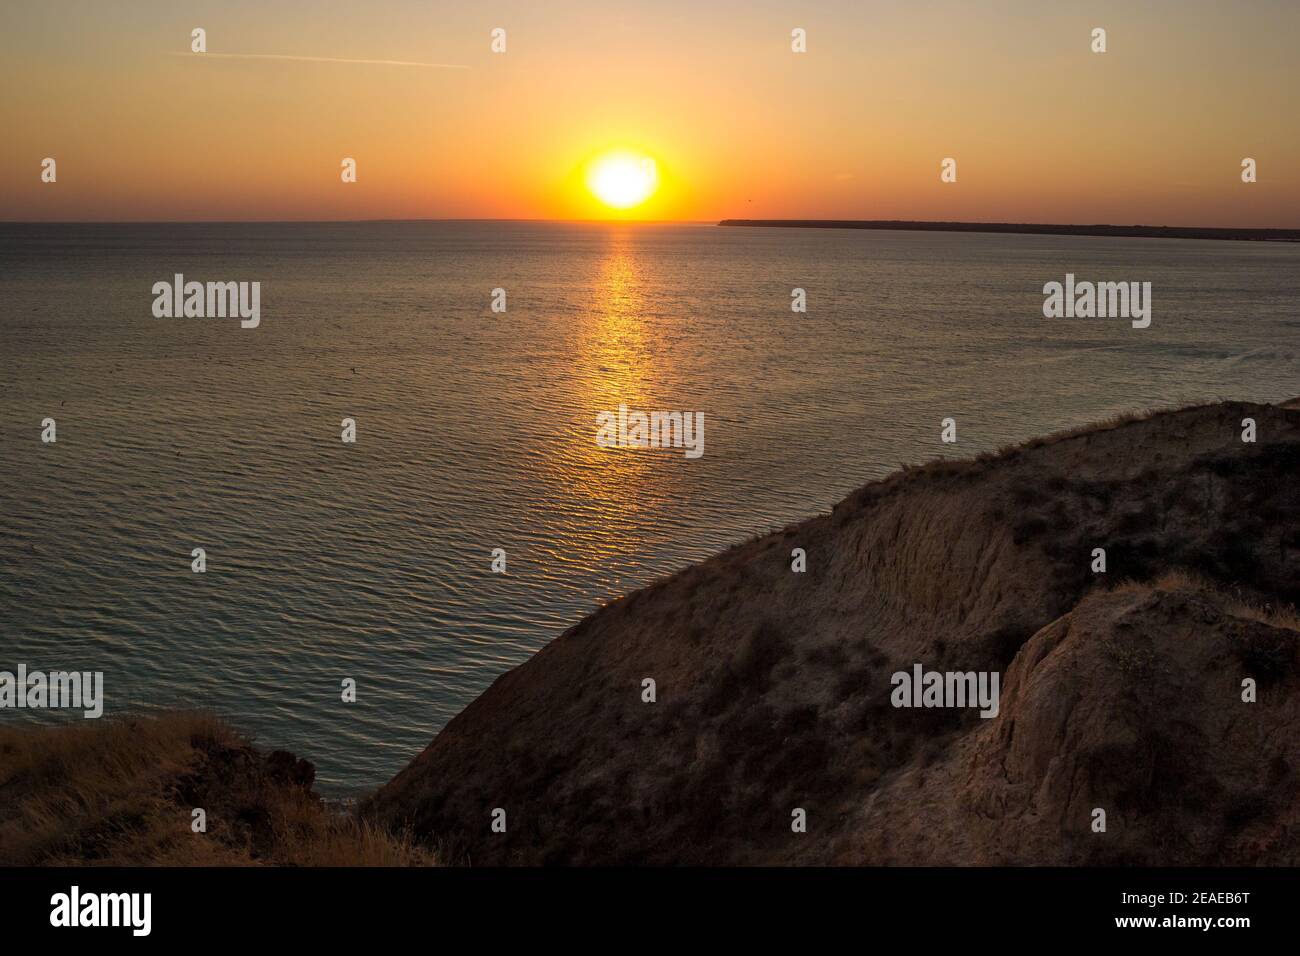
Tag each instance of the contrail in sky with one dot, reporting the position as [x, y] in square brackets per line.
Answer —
[321, 59]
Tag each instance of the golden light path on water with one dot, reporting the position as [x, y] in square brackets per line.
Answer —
[614, 370]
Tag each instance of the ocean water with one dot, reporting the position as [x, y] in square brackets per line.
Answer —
[476, 430]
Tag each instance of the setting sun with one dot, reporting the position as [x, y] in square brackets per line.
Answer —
[622, 179]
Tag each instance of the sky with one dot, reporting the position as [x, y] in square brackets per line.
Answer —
[1042, 129]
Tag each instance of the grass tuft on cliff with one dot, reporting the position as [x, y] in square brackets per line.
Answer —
[122, 793]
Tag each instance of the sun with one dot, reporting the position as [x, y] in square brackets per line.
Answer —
[622, 179]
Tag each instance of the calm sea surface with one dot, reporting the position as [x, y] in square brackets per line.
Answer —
[476, 431]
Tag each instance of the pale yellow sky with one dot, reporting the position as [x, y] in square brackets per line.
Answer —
[1043, 129]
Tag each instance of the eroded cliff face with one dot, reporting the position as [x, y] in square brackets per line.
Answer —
[773, 687]
[1130, 704]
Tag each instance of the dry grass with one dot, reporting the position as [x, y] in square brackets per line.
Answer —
[1279, 615]
[947, 467]
[1176, 580]
[1102, 425]
[1238, 605]
[121, 792]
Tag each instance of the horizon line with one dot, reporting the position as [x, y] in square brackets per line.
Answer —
[933, 225]
[324, 222]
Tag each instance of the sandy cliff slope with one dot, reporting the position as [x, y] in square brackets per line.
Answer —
[773, 687]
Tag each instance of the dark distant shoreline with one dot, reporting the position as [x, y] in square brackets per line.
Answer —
[1033, 228]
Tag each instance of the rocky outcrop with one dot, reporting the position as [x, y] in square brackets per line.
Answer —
[773, 688]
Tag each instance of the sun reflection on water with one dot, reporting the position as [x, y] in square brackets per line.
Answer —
[613, 367]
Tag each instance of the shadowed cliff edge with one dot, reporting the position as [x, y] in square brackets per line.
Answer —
[1120, 691]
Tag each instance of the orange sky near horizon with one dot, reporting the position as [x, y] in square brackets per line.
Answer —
[1043, 130]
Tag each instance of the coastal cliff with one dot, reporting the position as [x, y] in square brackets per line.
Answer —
[1161, 691]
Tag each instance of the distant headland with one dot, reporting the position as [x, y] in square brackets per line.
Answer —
[1033, 228]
